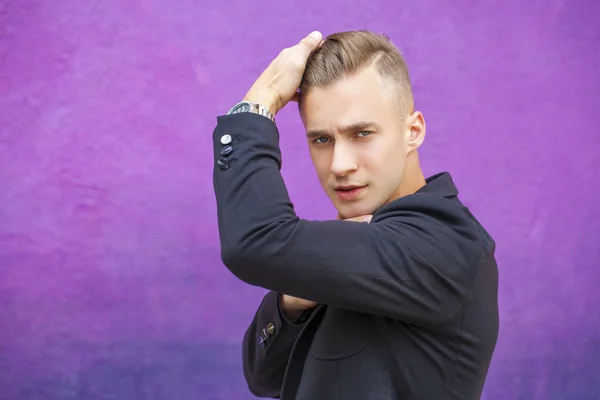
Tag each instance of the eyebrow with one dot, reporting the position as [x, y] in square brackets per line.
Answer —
[356, 126]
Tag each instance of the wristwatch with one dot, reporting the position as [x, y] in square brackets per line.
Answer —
[249, 106]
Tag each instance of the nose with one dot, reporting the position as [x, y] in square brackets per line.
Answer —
[344, 160]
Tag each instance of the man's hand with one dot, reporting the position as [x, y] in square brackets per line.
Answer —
[278, 83]
[360, 218]
[293, 307]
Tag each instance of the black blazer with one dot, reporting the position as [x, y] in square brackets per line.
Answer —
[408, 303]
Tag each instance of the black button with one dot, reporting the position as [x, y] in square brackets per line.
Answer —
[223, 163]
[225, 151]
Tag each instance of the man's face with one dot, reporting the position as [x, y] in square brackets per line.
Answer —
[358, 142]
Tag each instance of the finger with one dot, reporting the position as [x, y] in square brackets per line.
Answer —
[310, 43]
[362, 218]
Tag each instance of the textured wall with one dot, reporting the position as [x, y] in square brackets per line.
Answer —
[111, 286]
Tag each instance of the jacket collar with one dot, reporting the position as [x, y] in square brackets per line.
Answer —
[441, 184]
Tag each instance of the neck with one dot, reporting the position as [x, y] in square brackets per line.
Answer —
[413, 177]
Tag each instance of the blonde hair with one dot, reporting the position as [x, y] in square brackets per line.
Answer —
[345, 53]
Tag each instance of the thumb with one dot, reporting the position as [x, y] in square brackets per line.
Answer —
[310, 43]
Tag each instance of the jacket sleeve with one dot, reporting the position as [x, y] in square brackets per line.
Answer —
[267, 347]
[415, 261]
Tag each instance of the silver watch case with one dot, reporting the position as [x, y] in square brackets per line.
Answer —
[248, 106]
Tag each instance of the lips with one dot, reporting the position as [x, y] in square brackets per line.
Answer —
[347, 193]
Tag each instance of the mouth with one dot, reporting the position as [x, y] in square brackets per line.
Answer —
[350, 192]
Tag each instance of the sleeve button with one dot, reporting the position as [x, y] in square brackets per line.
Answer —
[223, 163]
[225, 151]
[225, 139]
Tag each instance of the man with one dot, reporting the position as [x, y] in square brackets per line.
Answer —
[397, 299]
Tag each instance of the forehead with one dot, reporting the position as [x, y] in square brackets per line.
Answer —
[363, 96]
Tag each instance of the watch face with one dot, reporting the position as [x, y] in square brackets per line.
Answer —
[243, 107]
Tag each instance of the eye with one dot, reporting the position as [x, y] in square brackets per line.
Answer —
[321, 140]
[363, 133]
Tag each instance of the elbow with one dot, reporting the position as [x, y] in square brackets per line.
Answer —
[243, 263]
[231, 256]
[236, 262]
[251, 254]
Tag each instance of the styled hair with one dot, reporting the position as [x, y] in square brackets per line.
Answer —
[343, 54]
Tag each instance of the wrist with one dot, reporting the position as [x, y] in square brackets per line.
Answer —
[265, 99]
[292, 312]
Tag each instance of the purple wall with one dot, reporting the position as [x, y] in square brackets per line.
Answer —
[111, 285]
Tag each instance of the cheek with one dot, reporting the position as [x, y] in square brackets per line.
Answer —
[373, 156]
[321, 159]
[382, 158]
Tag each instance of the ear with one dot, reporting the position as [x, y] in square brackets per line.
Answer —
[415, 131]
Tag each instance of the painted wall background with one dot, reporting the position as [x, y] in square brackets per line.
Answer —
[111, 285]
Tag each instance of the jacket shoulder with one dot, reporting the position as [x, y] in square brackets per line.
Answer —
[441, 229]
